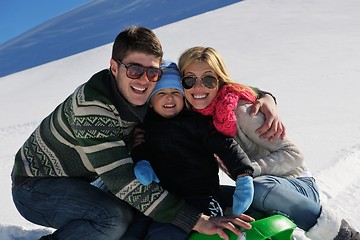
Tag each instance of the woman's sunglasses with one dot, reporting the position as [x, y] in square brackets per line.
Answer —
[135, 71]
[208, 81]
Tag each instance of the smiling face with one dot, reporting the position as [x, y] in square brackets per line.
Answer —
[200, 96]
[135, 91]
[167, 102]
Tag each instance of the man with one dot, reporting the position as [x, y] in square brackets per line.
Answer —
[86, 137]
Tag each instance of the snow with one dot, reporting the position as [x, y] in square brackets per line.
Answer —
[305, 52]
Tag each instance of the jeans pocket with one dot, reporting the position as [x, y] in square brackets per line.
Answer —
[33, 187]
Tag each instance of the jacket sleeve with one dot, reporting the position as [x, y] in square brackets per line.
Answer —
[229, 155]
[140, 152]
[275, 158]
[261, 93]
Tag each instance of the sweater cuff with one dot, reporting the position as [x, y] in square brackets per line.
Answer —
[245, 170]
[262, 93]
[187, 218]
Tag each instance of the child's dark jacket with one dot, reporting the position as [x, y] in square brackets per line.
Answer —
[181, 152]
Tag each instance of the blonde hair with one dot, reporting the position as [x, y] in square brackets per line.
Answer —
[210, 56]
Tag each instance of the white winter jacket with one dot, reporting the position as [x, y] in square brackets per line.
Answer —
[278, 158]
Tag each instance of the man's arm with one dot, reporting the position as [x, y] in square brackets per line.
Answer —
[273, 128]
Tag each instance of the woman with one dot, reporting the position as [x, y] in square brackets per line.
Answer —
[281, 180]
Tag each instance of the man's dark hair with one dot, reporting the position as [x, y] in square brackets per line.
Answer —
[136, 39]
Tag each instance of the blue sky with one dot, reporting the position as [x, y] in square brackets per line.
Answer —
[92, 25]
[19, 16]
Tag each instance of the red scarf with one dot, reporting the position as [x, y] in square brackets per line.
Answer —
[223, 105]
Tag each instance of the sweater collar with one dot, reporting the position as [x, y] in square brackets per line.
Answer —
[126, 110]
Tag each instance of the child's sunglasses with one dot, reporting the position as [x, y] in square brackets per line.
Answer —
[208, 81]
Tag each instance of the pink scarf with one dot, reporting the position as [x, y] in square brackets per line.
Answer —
[223, 105]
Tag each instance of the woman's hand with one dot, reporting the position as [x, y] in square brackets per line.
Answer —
[216, 225]
[273, 127]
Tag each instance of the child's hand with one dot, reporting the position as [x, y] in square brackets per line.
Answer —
[243, 195]
[144, 173]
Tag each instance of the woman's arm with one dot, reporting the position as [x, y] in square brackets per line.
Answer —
[277, 157]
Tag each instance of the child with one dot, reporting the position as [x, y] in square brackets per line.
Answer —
[180, 146]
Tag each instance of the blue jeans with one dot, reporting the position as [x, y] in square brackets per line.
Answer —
[75, 208]
[296, 198]
[165, 231]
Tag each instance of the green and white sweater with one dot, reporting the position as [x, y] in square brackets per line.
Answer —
[85, 136]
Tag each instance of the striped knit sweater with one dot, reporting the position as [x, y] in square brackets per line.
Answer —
[85, 136]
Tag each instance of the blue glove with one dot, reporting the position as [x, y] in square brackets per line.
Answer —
[144, 173]
[243, 195]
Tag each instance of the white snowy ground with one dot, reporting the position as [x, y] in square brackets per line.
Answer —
[306, 52]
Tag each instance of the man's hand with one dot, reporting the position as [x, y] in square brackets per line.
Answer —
[272, 128]
[216, 225]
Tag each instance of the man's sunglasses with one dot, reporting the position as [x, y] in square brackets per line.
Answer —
[208, 81]
[135, 71]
